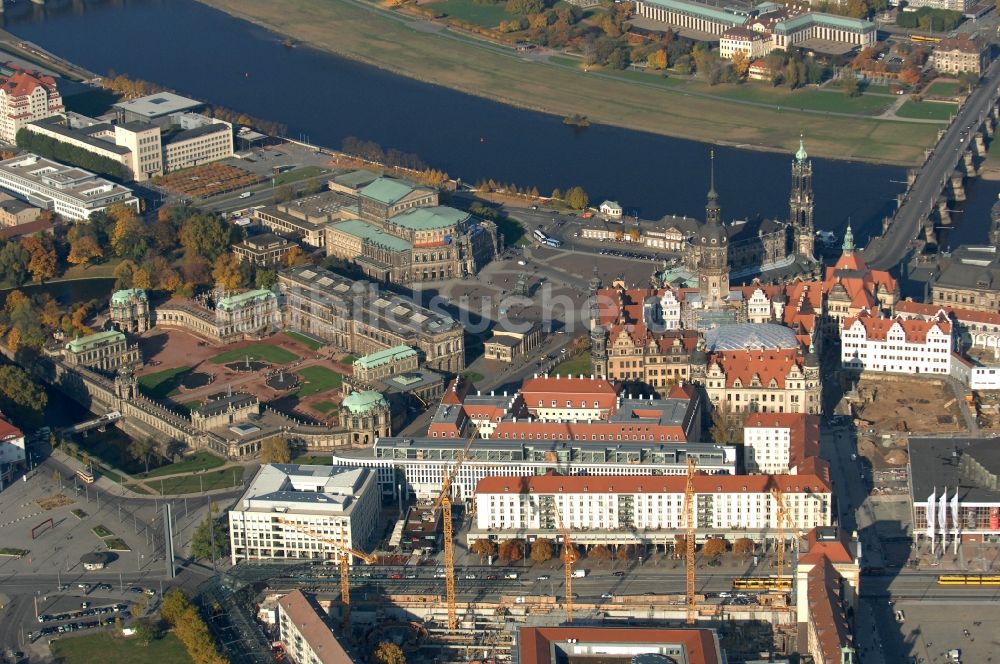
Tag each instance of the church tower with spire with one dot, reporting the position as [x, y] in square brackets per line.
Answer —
[713, 251]
[800, 204]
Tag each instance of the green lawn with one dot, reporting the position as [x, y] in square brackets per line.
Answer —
[810, 99]
[116, 544]
[488, 16]
[323, 406]
[297, 174]
[349, 359]
[103, 648]
[162, 384]
[927, 110]
[268, 352]
[472, 376]
[575, 366]
[102, 531]
[944, 89]
[313, 344]
[312, 460]
[219, 479]
[189, 464]
[318, 379]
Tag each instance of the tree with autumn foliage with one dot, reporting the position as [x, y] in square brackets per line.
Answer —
[744, 547]
[657, 59]
[483, 548]
[542, 550]
[84, 250]
[129, 238]
[43, 262]
[741, 64]
[296, 256]
[228, 272]
[511, 550]
[599, 553]
[714, 547]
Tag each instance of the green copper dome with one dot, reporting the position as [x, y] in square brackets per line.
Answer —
[801, 155]
[364, 401]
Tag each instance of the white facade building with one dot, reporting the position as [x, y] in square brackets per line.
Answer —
[752, 43]
[284, 501]
[25, 97]
[415, 466]
[12, 450]
[70, 192]
[622, 509]
[896, 345]
[775, 443]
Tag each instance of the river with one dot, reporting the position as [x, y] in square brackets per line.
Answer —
[207, 54]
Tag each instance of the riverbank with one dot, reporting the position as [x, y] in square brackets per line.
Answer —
[428, 52]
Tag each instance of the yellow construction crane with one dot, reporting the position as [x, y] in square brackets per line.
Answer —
[689, 518]
[443, 503]
[344, 561]
[783, 518]
[569, 557]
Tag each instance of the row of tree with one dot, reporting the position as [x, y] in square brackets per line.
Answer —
[372, 151]
[50, 148]
[188, 626]
[544, 549]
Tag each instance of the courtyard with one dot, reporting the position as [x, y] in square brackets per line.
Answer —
[288, 372]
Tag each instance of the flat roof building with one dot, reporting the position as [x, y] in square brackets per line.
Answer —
[305, 634]
[70, 192]
[616, 645]
[154, 109]
[288, 509]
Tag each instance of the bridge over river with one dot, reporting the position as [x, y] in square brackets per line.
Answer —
[940, 177]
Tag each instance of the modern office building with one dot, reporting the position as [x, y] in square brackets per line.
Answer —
[415, 466]
[25, 96]
[70, 192]
[288, 510]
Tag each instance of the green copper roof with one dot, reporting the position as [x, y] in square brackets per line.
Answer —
[362, 402]
[701, 11]
[384, 357]
[94, 340]
[817, 18]
[124, 296]
[243, 299]
[355, 179]
[801, 154]
[373, 234]
[430, 218]
[386, 191]
[848, 239]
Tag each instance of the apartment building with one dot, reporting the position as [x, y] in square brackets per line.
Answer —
[777, 443]
[107, 351]
[627, 509]
[306, 637]
[288, 510]
[897, 345]
[360, 318]
[779, 380]
[70, 192]
[25, 96]
[16, 213]
[972, 329]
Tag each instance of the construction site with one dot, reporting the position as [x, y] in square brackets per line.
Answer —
[438, 613]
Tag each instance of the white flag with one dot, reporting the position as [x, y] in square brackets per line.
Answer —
[943, 513]
[956, 523]
[931, 504]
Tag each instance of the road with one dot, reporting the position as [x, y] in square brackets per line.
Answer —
[889, 250]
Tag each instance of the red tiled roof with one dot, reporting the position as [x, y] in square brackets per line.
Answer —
[826, 611]
[767, 365]
[8, 430]
[914, 329]
[552, 483]
[563, 388]
[22, 82]
[457, 390]
[911, 308]
[837, 551]
[537, 643]
[30, 228]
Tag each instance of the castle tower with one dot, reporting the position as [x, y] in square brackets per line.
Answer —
[712, 245]
[126, 384]
[130, 310]
[800, 204]
[598, 333]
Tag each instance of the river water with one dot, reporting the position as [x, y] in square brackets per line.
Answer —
[207, 54]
